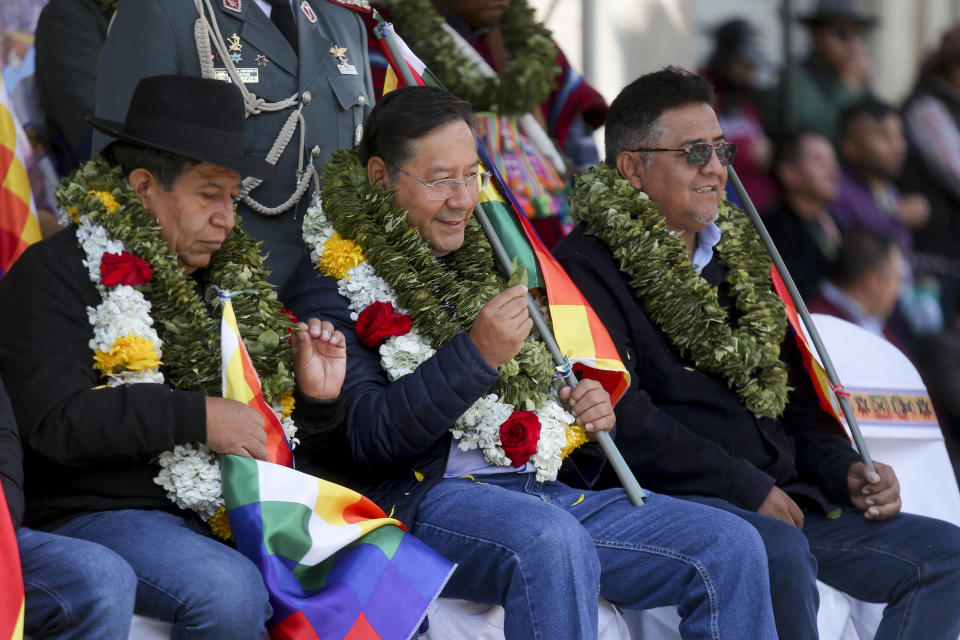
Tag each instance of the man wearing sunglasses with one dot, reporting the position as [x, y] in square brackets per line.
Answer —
[720, 410]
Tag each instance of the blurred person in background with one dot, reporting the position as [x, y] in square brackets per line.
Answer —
[931, 118]
[733, 69]
[864, 283]
[835, 74]
[800, 225]
[873, 150]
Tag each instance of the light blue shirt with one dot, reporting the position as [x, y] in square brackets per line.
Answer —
[707, 239]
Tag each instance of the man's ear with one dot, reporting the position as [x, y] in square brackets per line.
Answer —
[630, 165]
[377, 173]
[143, 182]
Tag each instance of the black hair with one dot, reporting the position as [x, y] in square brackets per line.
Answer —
[404, 115]
[165, 166]
[789, 146]
[632, 120]
[862, 250]
[869, 106]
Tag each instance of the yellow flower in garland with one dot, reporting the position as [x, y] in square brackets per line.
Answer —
[133, 353]
[286, 404]
[339, 256]
[576, 436]
[220, 524]
[107, 200]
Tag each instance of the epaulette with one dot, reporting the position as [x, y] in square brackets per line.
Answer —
[356, 5]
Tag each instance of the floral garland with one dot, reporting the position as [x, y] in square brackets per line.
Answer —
[525, 83]
[381, 264]
[680, 301]
[150, 310]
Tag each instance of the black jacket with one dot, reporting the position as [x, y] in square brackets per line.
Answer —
[391, 429]
[686, 432]
[85, 448]
[11, 460]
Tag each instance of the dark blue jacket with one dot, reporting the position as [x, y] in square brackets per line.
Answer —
[391, 429]
[686, 432]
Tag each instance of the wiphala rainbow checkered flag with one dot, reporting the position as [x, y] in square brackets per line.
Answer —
[335, 566]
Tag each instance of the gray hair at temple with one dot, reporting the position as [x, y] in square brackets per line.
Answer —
[634, 114]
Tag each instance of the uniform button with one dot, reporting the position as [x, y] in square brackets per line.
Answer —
[362, 99]
[306, 97]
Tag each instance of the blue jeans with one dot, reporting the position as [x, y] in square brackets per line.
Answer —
[545, 551]
[205, 588]
[74, 588]
[910, 562]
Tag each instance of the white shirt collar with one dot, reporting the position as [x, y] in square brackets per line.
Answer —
[265, 6]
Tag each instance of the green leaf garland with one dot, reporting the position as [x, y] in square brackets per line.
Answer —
[443, 300]
[684, 305]
[188, 325]
[525, 83]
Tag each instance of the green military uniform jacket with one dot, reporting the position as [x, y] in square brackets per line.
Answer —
[156, 37]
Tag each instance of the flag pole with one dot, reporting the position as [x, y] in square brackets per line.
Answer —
[627, 479]
[614, 457]
[804, 315]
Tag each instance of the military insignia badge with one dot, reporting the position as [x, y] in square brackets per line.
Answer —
[261, 60]
[308, 11]
[234, 42]
[340, 53]
[233, 5]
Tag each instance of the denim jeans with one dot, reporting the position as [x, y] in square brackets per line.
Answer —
[545, 551]
[74, 588]
[205, 588]
[910, 562]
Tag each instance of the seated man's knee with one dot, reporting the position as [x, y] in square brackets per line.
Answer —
[563, 546]
[232, 598]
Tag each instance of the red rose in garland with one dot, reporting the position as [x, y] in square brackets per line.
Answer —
[519, 436]
[378, 322]
[289, 314]
[125, 268]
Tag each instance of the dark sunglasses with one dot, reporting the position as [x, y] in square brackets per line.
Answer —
[699, 154]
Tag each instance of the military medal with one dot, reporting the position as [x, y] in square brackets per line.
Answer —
[345, 68]
[308, 11]
[261, 60]
[235, 57]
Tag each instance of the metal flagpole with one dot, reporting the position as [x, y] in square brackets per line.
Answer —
[614, 457]
[804, 314]
[627, 479]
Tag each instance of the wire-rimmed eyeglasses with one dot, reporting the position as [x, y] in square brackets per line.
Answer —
[447, 187]
[699, 154]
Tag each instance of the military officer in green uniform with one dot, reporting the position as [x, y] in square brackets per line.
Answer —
[302, 67]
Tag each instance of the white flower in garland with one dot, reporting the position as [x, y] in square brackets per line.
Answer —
[479, 426]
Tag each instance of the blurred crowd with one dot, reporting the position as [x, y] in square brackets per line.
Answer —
[861, 197]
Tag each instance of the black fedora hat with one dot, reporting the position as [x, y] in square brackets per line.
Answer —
[839, 10]
[197, 118]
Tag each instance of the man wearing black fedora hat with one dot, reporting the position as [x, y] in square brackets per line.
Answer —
[109, 341]
[834, 75]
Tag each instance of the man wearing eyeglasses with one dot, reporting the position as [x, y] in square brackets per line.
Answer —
[536, 545]
[720, 410]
